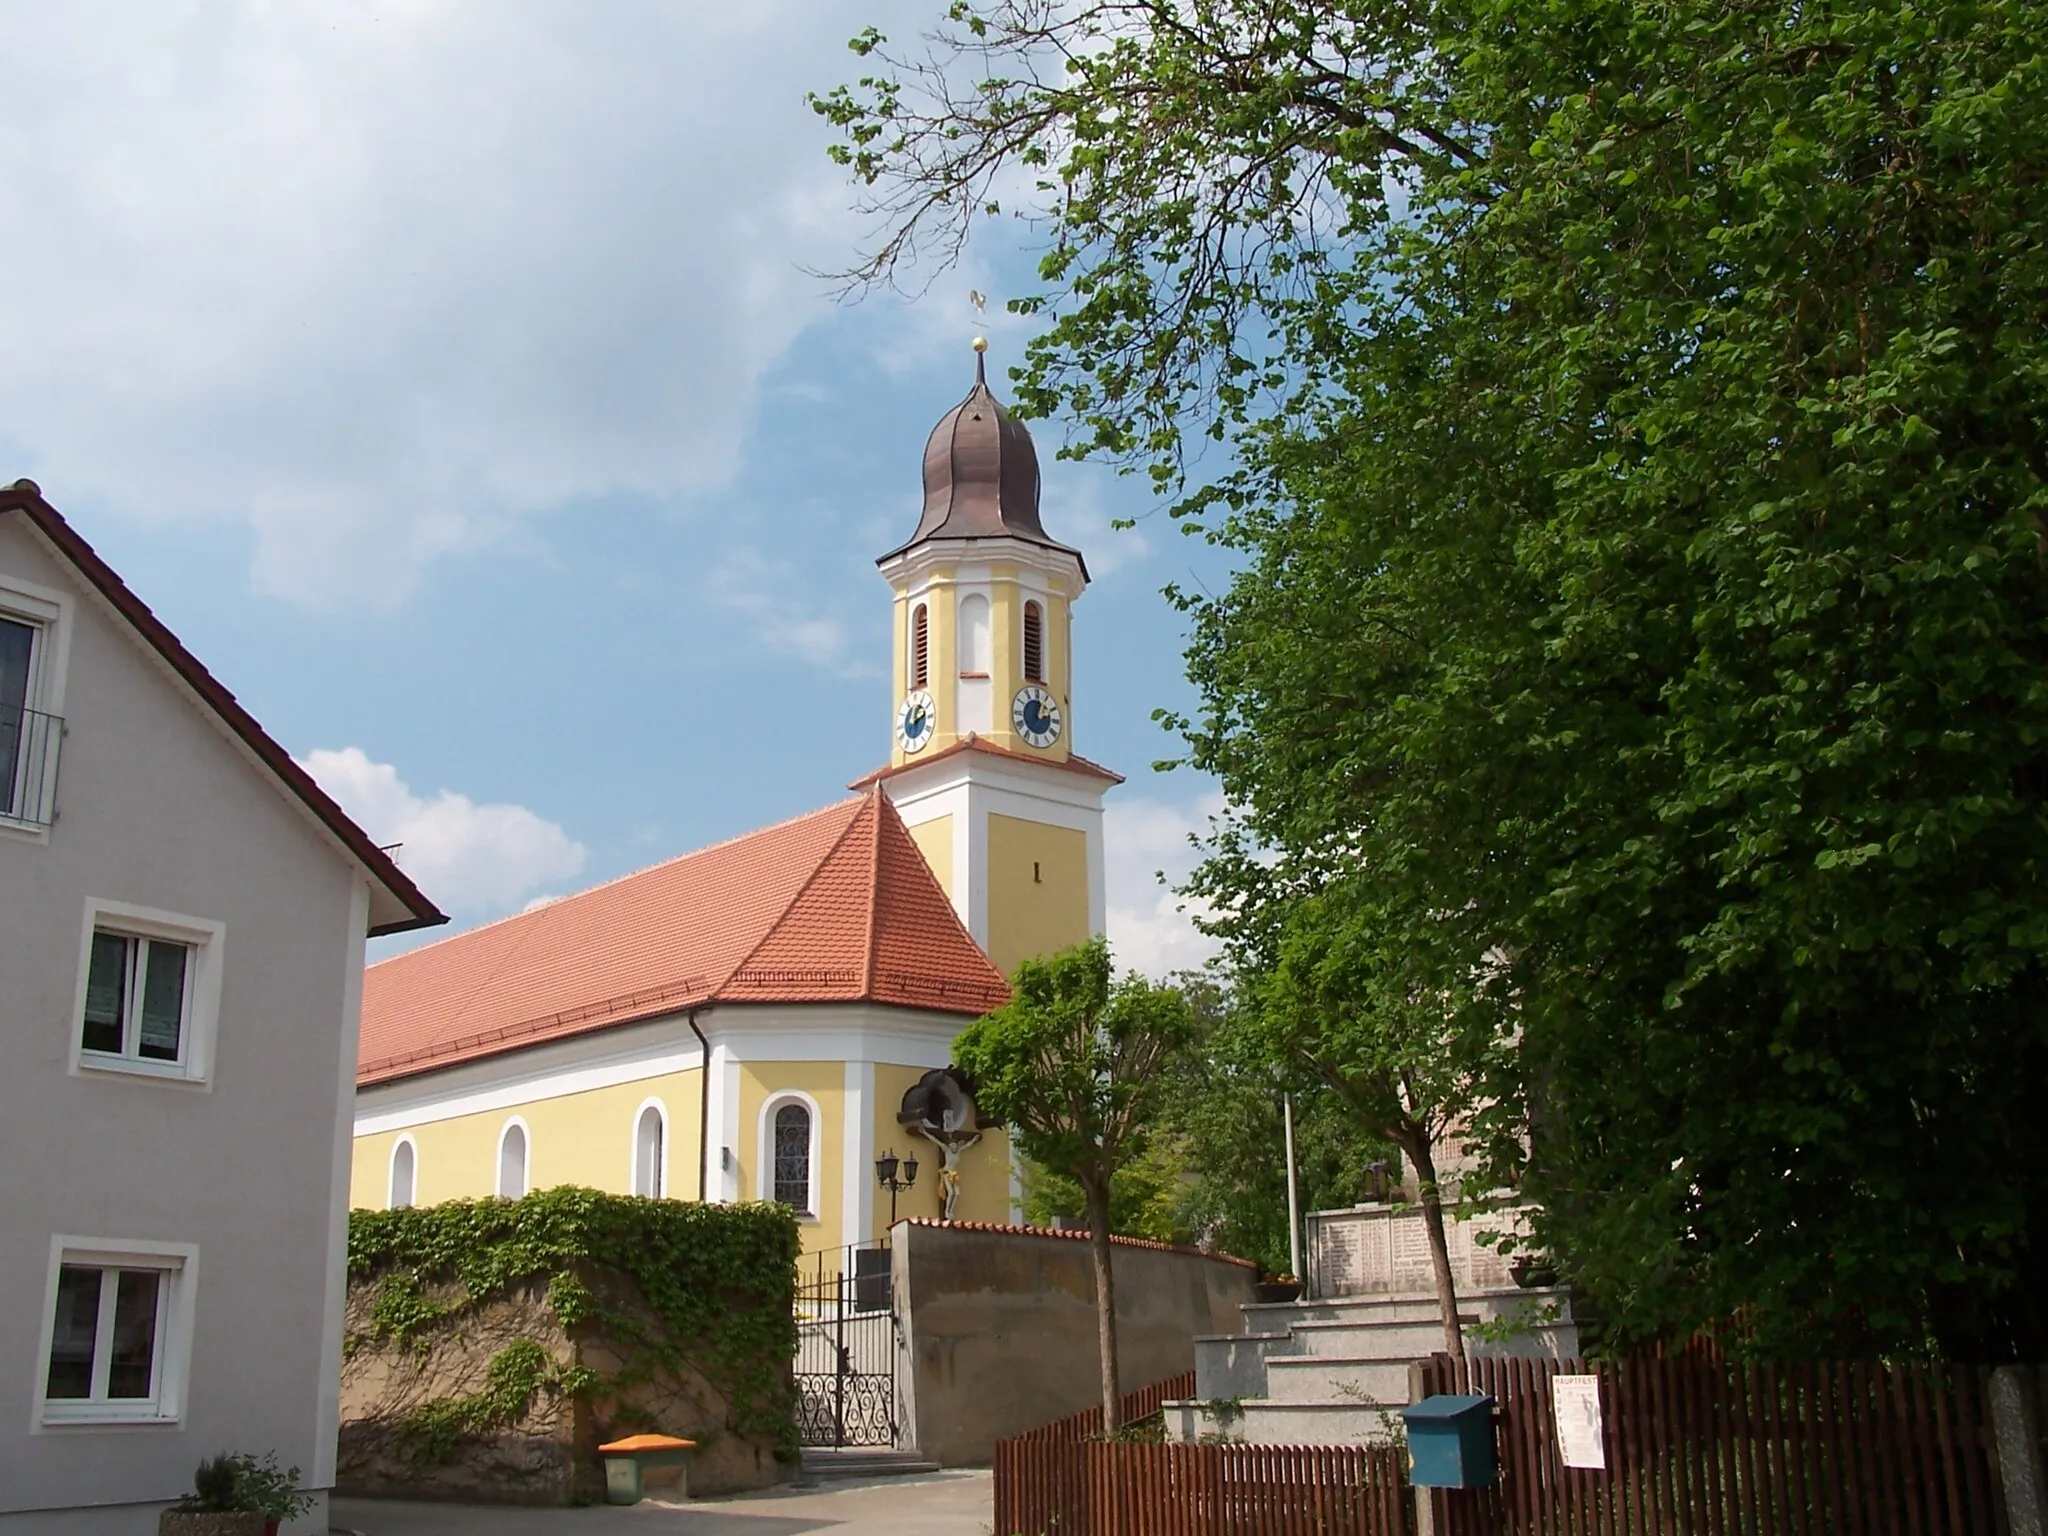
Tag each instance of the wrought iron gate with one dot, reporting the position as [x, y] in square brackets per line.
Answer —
[846, 1350]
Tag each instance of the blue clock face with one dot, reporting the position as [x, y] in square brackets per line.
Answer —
[1035, 714]
[916, 720]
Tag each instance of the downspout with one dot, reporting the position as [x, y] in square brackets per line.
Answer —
[703, 1106]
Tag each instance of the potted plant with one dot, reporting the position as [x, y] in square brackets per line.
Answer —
[236, 1495]
[1279, 1288]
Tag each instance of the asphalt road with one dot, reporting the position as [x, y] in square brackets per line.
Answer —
[940, 1504]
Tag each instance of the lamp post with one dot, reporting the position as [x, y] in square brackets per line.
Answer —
[885, 1175]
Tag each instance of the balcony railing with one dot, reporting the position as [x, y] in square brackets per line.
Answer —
[29, 741]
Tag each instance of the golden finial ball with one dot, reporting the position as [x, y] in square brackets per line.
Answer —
[981, 343]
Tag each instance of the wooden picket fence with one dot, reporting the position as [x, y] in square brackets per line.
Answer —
[1246, 1490]
[1041, 1474]
[1698, 1447]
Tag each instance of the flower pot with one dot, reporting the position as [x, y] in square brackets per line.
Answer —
[212, 1522]
[1279, 1290]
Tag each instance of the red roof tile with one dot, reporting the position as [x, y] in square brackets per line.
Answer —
[972, 742]
[836, 906]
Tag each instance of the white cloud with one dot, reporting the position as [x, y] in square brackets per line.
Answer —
[381, 281]
[1148, 930]
[771, 596]
[469, 858]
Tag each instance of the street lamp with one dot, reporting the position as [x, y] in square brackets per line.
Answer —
[885, 1175]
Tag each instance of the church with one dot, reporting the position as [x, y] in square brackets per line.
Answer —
[765, 1018]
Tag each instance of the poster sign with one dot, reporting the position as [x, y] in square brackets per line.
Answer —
[1576, 1400]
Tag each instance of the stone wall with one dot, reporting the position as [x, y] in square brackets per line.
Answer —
[548, 1453]
[998, 1327]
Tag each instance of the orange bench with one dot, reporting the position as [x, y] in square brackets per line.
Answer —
[627, 1463]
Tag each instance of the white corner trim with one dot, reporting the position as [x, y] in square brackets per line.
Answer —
[857, 1190]
[764, 1169]
[327, 1418]
[208, 940]
[174, 1327]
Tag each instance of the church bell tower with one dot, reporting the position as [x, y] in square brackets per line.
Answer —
[982, 767]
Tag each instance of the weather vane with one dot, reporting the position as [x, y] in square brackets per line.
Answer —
[980, 302]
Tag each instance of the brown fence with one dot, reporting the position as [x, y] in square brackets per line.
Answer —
[1040, 1476]
[1246, 1490]
[1701, 1448]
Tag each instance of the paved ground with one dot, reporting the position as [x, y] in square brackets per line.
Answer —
[941, 1504]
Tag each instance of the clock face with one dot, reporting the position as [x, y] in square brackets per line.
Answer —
[916, 720]
[1036, 715]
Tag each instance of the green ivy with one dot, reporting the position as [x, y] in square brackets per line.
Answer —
[721, 1278]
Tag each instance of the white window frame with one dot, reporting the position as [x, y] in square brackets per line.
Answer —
[179, 1263]
[49, 613]
[660, 1191]
[207, 940]
[412, 1195]
[764, 1177]
[512, 1123]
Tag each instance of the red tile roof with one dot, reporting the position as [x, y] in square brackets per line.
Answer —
[836, 906]
[971, 742]
[405, 906]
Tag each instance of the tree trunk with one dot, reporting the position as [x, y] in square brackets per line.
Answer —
[1417, 1146]
[1105, 1300]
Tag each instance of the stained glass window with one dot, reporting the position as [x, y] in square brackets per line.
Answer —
[793, 1157]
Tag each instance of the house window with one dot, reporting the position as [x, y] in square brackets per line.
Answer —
[31, 699]
[148, 994]
[920, 647]
[119, 1325]
[648, 1136]
[792, 1157]
[512, 1160]
[404, 1173]
[1034, 643]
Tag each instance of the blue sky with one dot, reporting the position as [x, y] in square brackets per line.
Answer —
[448, 375]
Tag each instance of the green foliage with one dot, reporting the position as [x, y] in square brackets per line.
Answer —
[240, 1482]
[1636, 657]
[720, 1278]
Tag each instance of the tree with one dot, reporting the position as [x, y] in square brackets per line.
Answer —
[1073, 1063]
[1642, 616]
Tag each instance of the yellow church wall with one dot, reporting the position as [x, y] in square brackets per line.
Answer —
[579, 1138]
[934, 840]
[825, 1083]
[984, 1168]
[1028, 916]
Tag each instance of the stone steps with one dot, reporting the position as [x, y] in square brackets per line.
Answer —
[1334, 1379]
[822, 1463]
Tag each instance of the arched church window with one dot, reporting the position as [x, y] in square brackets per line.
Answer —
[793, 1157]
[512, 1160]
[920, 647]
[977, 652]
[648, 1135]
[404, 1167]
[1034, 643]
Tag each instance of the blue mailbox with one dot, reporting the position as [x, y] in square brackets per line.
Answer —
[1450, 1442]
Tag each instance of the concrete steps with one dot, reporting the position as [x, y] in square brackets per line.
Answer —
[824, 1464]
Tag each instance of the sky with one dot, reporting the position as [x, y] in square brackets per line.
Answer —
[453, 378]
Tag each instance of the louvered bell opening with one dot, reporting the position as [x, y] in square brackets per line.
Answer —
[920, 647]
[1034, 643]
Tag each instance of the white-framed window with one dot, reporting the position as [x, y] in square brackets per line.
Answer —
[403, 1183]
[148, 993]
[34, 642]
[512, 1155]
[117, 1332]
[789, 1152]
[650, 1150]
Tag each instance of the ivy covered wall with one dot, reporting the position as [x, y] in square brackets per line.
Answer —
[492, 1345]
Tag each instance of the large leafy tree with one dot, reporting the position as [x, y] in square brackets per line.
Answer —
[1643, 501]
[1075, 1064]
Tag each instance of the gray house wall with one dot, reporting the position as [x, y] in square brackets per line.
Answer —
[998, 1328]
[159, 807]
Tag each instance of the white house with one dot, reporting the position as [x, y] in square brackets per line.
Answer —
[182, 919]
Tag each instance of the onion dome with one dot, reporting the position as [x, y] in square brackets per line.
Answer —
[980, 474]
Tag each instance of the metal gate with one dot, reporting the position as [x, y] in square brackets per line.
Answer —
[846, 1350]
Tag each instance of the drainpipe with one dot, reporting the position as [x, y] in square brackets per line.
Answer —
[703, 1106]
[1293, 1198]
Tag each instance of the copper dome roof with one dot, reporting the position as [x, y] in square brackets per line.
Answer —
[980, 476]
